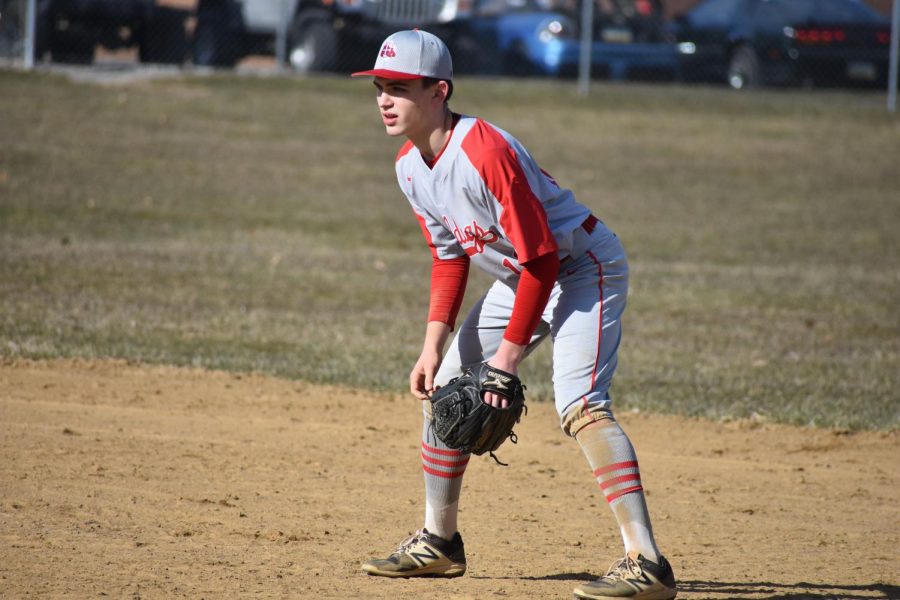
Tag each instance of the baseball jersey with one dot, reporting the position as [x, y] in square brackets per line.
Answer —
[486, 198]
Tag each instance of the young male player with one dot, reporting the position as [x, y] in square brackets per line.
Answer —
[479, 197]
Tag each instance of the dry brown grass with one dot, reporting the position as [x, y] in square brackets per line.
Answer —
[255, 224]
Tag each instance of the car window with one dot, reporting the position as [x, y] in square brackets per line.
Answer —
[846, 11]
[770, 14]
[494, 7]
[715, 13]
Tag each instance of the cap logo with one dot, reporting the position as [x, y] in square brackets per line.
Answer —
[388, 50]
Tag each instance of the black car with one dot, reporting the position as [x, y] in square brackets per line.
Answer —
[748, 43]
[69, 31]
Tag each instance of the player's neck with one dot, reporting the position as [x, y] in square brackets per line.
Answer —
[433, 139]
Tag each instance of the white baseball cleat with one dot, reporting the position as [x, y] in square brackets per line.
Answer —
[632, 577]
[422, 555]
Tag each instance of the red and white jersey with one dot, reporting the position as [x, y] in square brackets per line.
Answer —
[486, 197]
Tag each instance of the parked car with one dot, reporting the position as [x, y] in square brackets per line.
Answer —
[320, 35]
[11, 26]
[749, 43]
[69, 31]
[525, 38]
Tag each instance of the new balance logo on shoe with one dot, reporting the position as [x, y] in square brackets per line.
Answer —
[639, 582]
[423, 558]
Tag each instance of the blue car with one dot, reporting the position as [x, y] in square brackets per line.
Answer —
[751, 43]
[526, 40]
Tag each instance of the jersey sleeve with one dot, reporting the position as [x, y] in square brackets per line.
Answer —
[522, 215]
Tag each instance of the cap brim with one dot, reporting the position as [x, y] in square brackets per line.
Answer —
[387, 74]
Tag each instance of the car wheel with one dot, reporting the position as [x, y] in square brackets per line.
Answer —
[313, 45]
[218, 41]
[517, 63]
[72, 46]
[744, 69]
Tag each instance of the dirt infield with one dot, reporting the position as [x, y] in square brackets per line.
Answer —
[122, 481]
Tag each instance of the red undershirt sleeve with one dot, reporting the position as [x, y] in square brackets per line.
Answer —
[448, 286]
[535, 284]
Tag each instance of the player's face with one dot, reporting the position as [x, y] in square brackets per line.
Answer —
[406, 105]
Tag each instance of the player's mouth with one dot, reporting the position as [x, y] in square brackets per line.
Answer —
[389, 118]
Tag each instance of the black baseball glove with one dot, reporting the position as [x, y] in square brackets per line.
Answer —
[463, 421]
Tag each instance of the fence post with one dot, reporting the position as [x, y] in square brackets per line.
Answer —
[895, 45]
[587, 41]
[281, 35]
[30, 19]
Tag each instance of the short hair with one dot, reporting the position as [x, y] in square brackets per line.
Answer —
[430, 81]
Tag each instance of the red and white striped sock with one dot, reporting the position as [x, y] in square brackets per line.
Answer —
[615, 465]
[443, 469]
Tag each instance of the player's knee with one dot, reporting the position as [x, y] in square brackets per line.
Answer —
[581, 416]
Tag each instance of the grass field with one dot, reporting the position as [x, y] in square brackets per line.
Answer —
[252, 223]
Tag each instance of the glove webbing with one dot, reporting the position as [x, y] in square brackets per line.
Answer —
[512, 438]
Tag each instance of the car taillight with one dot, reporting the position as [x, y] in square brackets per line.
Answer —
[643, 7]
[883, 37]
[817, 35]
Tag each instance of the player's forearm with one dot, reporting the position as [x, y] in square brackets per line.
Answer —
[535, 285]
[436, 334]
[508, 356]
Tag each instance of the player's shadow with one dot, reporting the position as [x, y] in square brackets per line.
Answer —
[715, 590]
[790, 591]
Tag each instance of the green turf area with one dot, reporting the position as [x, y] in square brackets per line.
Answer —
[253, 223]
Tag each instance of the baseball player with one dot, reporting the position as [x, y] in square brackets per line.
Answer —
[480, 197]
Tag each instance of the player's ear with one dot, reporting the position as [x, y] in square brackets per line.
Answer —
[442, 90]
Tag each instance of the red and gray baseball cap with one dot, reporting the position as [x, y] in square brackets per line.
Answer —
[412, 54]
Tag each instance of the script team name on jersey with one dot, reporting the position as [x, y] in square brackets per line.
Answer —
[472, 238]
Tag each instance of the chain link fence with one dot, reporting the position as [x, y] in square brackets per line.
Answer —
[741, 43]
[85, 31]
[12, 29]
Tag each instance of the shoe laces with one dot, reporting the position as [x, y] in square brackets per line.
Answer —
[410, 542]
[624, 568]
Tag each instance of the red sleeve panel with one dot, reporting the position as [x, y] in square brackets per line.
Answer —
[448, 287]
[428, 239]
[523, 217]
[532, 294]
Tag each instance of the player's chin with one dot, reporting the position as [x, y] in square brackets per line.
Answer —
[394, 129]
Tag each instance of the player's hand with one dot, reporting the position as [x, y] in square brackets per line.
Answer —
[421, 378]
[496, 400]
[508, 357]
